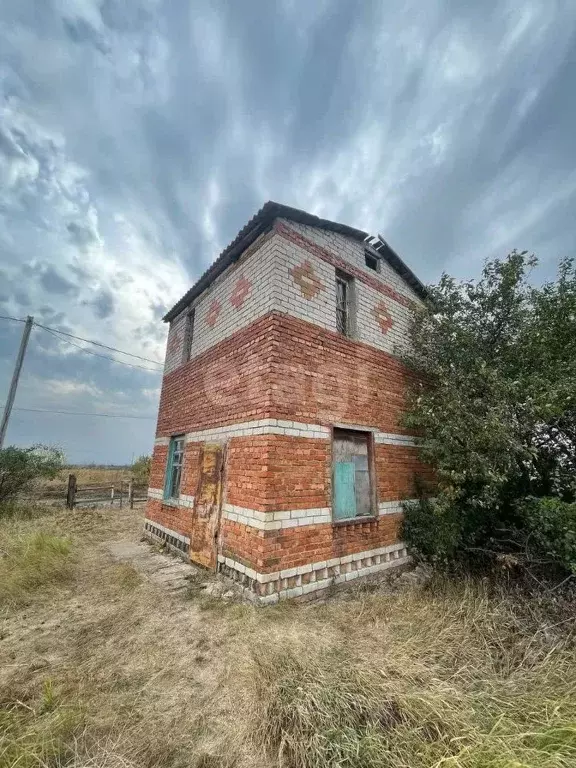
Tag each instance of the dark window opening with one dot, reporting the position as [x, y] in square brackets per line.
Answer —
[174, 467]
[371, 261]
[188, 336]
[353, 487]
[344, 304]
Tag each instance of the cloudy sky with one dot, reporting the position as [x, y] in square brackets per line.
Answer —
[137, 137]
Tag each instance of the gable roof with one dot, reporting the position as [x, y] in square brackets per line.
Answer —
[260, 222]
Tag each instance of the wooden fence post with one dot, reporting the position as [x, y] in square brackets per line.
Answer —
[131, 494]
[121, 492]
[112, 496]
[71, 493]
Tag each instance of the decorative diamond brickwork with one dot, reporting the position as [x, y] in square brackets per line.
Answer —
[213, 313]
[305, 277]
[383, 317]
[241, 292]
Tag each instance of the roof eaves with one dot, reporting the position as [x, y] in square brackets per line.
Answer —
[259, 223]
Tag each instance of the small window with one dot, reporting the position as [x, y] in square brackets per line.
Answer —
[371, 261]
[353, 489]
[188, 336]
[174, 467]
[345, 305]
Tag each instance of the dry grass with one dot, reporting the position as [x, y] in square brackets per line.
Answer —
[31, 561]
[88, 476]
[104, 670]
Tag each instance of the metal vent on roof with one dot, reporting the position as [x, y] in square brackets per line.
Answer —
[377, 243]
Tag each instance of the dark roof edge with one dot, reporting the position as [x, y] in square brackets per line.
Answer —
[258, 224]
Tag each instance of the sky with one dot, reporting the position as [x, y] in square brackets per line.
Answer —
[137, 138]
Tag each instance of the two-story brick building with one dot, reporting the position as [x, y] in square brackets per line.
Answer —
[280, 458]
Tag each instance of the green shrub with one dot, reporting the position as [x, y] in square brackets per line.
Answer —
[549, 531]
[432, 530]
[20, 468]
[537, 533]
[141, 470]
[492, 396]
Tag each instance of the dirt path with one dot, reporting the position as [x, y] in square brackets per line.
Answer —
[170, 573]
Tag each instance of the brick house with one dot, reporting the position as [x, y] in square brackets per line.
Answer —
[280, 458]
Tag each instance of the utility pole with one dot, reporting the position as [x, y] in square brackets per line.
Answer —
[15, 377]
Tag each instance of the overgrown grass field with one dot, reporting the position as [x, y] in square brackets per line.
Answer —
[88, 476]
[101, 669]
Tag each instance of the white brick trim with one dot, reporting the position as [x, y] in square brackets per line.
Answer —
[260, 427]
[167, 531]
[342, 569]
[392, 507]
[271, 521]
[182, 501]
[289, 428]
[292, 518]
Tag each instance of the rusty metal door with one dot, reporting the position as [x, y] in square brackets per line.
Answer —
[207, 507]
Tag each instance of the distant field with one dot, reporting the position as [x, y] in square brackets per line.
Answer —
[86, 476]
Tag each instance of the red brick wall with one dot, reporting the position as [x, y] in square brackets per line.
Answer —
[273, 472]
[246, 472]
[282, 367]
[242, 543]
[158, 468]
[298, 473]
[178, 519]
[322, 377]
[396, 469]
[269, 551]
[226, 384]
[285, 368]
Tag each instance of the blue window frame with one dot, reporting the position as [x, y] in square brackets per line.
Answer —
[174, 467]
[353, 492]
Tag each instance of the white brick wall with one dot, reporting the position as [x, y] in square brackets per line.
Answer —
[288, 428]
[288, 298]
[258, 268]
[272, 287]
[321, 309]
[294, 518]
[353, 251]
[273, 521]
[184, 500]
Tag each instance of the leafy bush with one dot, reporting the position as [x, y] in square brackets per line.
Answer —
[550, 531]
[21, 468]
[141, 470]
[493, 397]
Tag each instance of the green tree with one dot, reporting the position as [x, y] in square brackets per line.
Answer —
[494, 399]
[21, 468]
[141, 469]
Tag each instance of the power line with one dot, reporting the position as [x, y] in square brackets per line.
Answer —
[82, 413]
[60, 333]
[98, 344]
[96, 354]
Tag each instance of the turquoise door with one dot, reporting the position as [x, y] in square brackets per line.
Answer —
[344, 490]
